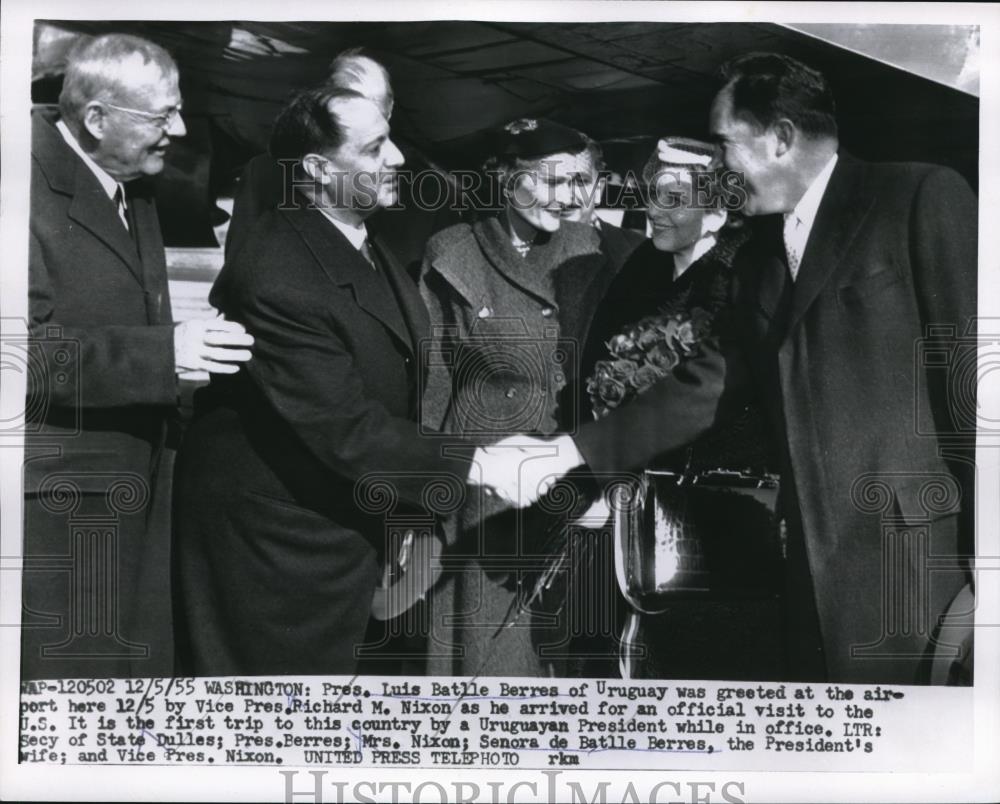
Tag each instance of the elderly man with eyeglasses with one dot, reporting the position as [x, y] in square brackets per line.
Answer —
[106, 356]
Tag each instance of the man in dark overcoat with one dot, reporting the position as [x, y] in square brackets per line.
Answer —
[852, 269]
[292, 468]
[105, 359]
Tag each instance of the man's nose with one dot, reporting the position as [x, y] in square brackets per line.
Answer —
[177, 127]
[393, 156]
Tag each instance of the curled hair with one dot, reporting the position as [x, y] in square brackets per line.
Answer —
[105, 67]
[308, 124]
[766, 87]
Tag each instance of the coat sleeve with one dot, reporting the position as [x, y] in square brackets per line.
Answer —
[944, 259]
[100, 367]
[304, 369]
[710, 388]
[944, 242]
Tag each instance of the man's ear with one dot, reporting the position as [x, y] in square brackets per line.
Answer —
[784, 135]
[95, 118]
[315, 167]
[712, 221]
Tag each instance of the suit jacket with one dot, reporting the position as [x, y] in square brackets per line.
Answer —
[277, 545]
[100, 323]
[892, 252]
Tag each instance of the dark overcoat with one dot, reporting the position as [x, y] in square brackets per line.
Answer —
[101, 390]
[277, 543]
[866, 419]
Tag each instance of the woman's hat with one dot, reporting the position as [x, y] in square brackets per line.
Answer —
[529, 137]
[684, 152]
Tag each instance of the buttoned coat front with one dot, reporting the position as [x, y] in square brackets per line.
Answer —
[498, 361]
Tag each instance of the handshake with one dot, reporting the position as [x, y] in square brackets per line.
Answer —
[520, 469]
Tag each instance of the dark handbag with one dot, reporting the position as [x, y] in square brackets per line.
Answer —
[711, 534]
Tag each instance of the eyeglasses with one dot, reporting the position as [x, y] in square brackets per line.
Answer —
[162, 120]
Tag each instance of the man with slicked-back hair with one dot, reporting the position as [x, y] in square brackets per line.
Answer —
[852, 266]
[263, 183]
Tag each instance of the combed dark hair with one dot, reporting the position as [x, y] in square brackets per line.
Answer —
[308, 125]
[769, 86]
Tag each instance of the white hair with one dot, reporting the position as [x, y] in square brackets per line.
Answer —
[352, 69]
[102, 68]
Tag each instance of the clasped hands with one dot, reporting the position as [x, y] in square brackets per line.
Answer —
[520, 469]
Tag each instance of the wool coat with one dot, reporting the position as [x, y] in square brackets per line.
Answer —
[499, 366]
[868, 425]
[101, 392]
[294, 471]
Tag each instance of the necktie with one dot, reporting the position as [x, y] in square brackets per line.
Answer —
[366, 252]
[792, 245]
[122, 209]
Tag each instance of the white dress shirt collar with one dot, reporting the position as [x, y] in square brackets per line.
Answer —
[356, 235]
[808, 205]
[108, 182]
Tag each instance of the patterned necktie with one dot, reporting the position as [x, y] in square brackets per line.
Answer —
[792, 245]
[122, 209]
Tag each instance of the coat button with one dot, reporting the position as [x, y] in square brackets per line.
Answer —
[511, 393]
[547, 312]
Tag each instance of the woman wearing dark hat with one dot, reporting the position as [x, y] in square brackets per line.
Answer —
[498, 364]
[675, 290]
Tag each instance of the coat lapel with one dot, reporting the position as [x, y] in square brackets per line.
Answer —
[89, 205]
[149, 242]
[414, 311]
[345, 267]
[530, 273]
[771, 267]
[93, 210]
[838, 219]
